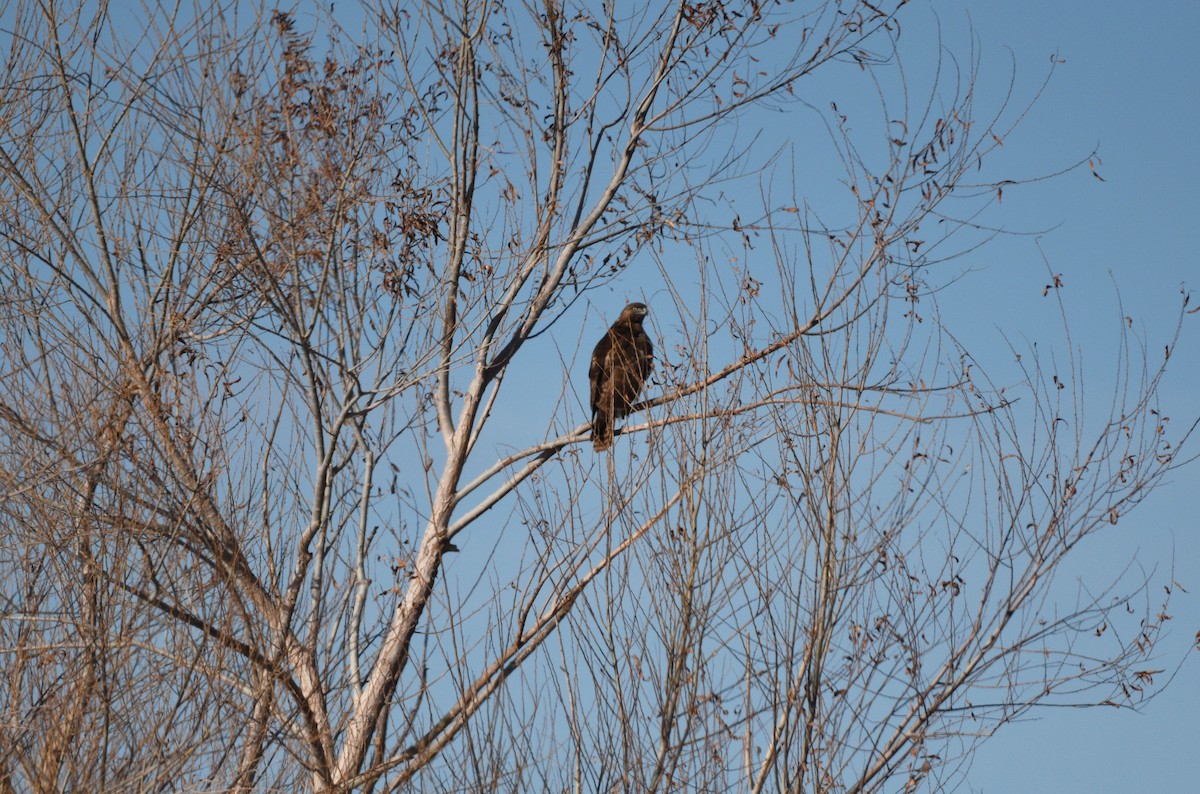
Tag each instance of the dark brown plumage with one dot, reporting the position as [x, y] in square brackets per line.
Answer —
[621, 362]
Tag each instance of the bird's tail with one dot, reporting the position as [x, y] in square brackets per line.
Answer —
[602, 431]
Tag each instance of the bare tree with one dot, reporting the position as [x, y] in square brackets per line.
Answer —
[286, 318]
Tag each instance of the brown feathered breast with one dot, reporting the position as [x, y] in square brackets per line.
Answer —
[621, 363]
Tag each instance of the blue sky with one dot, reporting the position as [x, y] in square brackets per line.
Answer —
[1129, 87]
[1126, 88]
[1121, 88]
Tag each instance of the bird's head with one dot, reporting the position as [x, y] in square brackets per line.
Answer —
[635, 311]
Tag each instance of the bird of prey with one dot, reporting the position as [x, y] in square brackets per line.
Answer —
[621, 363]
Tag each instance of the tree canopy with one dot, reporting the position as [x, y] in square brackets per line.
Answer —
[294, 303]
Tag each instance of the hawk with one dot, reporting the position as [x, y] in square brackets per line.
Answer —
[621, 362]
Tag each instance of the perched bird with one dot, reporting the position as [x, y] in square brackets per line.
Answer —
[621, 362]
